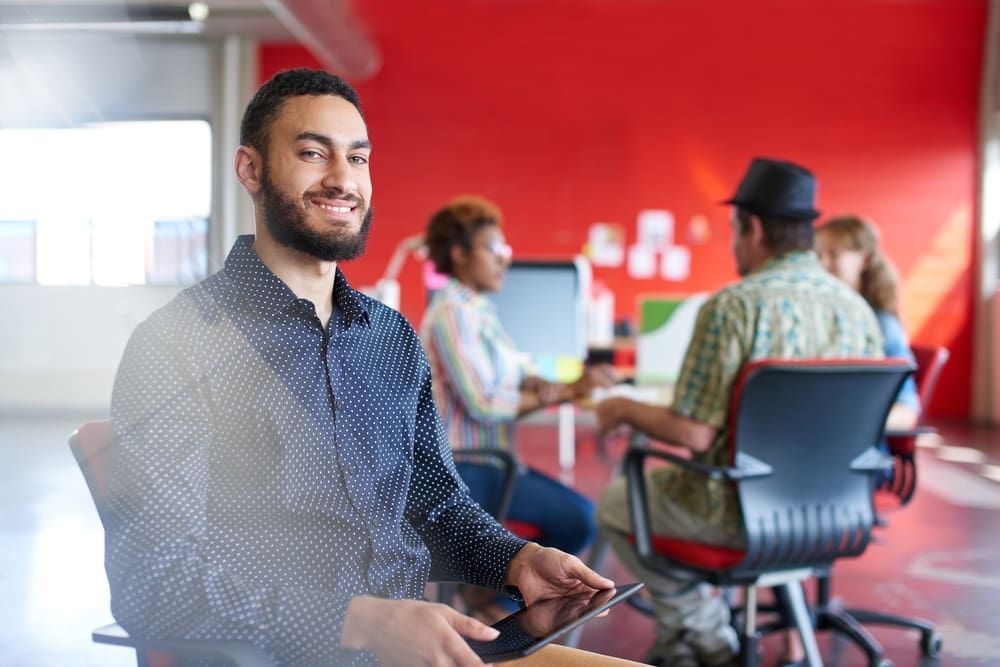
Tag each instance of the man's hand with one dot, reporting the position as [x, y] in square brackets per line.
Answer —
[598, 375]
[542, 572]
[612, 413]
[411, 632]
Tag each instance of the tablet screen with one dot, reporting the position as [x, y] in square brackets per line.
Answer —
[529, 629]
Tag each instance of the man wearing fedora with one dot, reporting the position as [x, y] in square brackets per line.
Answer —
[785, 306]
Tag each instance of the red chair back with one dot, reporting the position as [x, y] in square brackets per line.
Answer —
[903, 484]
[90, 445]
[930, 360]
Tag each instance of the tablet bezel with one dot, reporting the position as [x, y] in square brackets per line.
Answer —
[481, 648]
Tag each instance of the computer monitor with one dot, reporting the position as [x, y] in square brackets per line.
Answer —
[543, 307]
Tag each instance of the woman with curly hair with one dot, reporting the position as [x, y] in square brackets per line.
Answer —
[483, 383]
[848, 248]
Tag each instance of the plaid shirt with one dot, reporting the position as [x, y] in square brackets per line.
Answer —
[790, 308]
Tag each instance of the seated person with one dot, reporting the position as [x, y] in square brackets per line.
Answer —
[482, 384]
[785, 306]
[848, 248]
[280, 474]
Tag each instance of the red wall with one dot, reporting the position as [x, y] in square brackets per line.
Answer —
[569, 112]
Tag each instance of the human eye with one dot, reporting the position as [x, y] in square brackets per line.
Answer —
[311, 154]
[358, 159]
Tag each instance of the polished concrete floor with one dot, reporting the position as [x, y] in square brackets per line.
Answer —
[939, 558]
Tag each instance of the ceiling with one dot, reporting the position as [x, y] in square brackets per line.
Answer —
[243, 17]
[327, 28]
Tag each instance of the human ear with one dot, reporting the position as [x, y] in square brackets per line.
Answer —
[247, 165]
[459, 255]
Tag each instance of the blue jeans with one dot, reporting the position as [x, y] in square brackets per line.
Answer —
[564, 517]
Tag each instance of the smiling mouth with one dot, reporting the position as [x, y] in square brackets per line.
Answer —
[336, 209]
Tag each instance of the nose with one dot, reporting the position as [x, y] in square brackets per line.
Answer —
[340, 176]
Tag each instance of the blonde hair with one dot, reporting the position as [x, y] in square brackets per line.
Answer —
[879, 280]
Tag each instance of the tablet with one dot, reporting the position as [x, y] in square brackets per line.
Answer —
[529, 629]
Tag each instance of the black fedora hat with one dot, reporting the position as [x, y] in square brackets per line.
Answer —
[777, 189]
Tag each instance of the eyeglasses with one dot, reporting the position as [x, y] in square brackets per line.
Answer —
[501, 251]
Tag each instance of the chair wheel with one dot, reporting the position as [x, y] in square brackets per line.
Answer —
[930, 644]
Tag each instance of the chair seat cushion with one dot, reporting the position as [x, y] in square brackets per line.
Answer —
[695, 553]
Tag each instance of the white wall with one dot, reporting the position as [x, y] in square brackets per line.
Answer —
[60, 346]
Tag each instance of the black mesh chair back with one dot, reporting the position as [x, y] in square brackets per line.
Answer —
[812, 426]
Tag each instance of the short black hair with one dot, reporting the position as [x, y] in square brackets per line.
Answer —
[268, 100]
[781, 235]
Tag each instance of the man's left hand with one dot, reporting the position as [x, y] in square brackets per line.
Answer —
[542, 572]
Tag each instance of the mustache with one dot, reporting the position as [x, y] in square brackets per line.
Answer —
[352, 199]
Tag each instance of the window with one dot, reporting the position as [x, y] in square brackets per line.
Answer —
[17, 251]
[106, 204]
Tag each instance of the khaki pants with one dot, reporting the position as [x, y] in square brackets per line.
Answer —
[686, 610]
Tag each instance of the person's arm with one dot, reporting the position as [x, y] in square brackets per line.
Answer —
[656, 421]
[466, 542]
[713, 360]
[485, 378]
[905, 412]
[543, 572]
[164, 580]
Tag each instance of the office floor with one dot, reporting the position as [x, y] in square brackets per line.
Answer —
[939, 558]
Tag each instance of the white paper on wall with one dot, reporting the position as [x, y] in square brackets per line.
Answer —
[655, 228]
[641, 261]
[606, 244]
[675, 263]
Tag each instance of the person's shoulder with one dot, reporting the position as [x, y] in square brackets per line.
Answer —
[193, 307]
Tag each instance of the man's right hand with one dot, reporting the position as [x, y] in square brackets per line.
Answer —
[412, 632]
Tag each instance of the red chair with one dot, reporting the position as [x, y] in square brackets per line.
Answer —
[90, 445]
[902, 444]
[803, 457]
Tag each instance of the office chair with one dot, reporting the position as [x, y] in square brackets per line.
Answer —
[803, 457]
[90, 445]
[902, 444]
[900, 487]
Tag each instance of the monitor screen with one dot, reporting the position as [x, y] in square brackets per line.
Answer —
[539, 306]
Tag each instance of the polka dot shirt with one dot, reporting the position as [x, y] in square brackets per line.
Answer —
[267, 470]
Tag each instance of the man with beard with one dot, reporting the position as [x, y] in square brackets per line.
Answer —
[279, 472]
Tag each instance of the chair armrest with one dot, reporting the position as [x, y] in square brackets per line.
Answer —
[872, 460]
[236, 653]
[747, 468]
[507, 462]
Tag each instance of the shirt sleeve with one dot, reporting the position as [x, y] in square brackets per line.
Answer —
[482, 372]
[714, 358]
[896, 345]
[164, 579]
[466, 542]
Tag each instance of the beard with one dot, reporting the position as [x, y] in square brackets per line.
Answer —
[285, 219]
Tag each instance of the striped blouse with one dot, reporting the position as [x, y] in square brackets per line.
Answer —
[476, 369]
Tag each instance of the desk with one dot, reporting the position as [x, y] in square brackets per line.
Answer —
[655, 394]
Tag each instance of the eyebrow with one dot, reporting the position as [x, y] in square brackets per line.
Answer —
[327, 141]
